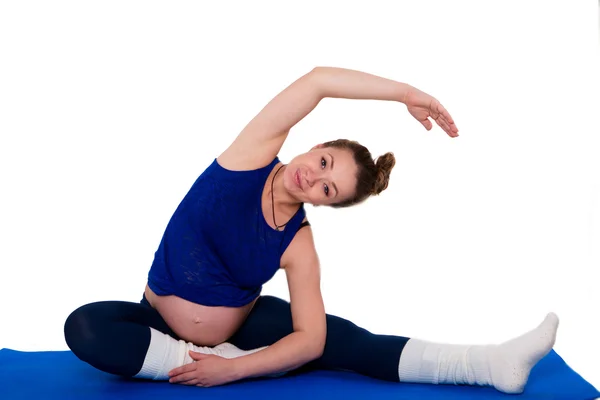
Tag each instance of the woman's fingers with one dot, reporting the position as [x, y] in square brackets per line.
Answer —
[444, 125]
[449, 128]
[183, 369]
[438, 113]
[187, 378]
[445, 115]
[443, 118]
[427, 124]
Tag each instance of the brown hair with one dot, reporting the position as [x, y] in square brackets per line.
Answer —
[372, 177]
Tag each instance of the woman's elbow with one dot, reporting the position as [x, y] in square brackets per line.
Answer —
[319, 352]
[318, 345]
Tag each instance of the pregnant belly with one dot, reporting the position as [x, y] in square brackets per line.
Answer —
[202, 325]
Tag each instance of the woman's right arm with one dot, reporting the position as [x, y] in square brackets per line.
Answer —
[261, 140]
[350, 84]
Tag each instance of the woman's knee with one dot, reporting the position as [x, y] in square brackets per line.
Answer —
[80, 328]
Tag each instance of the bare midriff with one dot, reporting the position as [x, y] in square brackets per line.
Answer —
[196, 323]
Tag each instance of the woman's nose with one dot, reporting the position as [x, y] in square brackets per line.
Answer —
[313, 177]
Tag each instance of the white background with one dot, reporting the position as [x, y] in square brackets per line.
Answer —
[110, 110]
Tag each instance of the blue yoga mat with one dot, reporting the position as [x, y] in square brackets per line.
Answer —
[61, 375]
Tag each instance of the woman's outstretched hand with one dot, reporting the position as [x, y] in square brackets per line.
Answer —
[422, 106]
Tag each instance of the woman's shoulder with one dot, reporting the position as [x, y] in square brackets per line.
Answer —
[245, 161]
[301, 246]
[226, 165]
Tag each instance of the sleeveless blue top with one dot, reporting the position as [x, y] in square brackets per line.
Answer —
[217, 249]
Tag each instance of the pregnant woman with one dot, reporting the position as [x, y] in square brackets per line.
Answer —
[202, 320]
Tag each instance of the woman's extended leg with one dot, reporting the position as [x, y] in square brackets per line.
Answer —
[349, 347]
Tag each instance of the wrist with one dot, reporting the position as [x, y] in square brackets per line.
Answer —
[237, 368]
[404, 92]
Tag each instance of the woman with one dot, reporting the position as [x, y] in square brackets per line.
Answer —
[240, 222]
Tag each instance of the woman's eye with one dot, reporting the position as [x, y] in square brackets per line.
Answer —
[323, 162]
[326, 189]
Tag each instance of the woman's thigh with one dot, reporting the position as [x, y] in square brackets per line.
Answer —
[347, 347]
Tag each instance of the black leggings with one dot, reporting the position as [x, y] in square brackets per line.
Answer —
[113, 336]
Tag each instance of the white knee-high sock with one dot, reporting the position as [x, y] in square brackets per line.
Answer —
[505, 367]
[166, 353]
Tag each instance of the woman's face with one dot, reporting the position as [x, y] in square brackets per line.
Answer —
[324, 175]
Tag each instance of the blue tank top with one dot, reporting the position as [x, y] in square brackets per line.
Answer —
[217, 249]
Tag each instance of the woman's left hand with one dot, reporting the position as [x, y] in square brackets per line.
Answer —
[207, 370]
[422, 106]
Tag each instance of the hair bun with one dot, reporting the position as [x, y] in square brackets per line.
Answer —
[384, 165]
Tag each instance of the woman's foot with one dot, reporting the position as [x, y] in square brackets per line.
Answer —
[512, 361]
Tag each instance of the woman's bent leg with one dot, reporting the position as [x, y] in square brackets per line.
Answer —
[132, 340]
[113, 336]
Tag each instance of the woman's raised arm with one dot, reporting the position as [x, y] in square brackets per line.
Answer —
[350, 84]
[261, 140]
